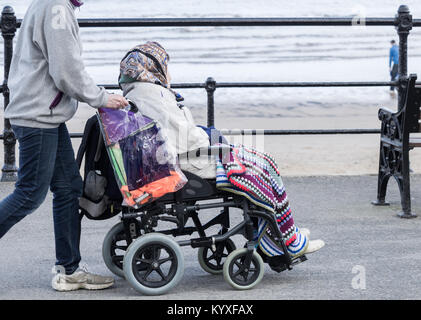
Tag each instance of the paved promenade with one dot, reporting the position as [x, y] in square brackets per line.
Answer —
[369, 253]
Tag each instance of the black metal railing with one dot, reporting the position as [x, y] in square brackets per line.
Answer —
[402, 21]
[239, 22]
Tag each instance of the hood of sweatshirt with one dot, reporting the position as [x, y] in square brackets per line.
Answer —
[76, 3]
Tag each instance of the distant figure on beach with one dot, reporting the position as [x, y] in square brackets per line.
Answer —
[393, 64]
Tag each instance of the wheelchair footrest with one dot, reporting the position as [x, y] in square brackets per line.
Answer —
[299, 260]
[277, 263]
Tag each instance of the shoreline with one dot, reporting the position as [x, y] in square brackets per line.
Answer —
[296, 155]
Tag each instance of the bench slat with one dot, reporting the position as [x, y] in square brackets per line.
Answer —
[415, 142]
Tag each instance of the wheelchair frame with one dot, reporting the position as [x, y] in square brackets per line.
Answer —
[179, 207]
[183, 208]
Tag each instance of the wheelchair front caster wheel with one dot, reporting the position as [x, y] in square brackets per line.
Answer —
[153, 264]
[213, 261]
[238, 274]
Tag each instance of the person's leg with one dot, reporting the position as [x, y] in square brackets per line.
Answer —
[296, 239]
[66, 186]
[394, 75]
[297, 242]
[392, 88]
[37, 150]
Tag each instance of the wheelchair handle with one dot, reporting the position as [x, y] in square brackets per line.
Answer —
[133, 106]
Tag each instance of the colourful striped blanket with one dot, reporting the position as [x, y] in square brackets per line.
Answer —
[255, 175]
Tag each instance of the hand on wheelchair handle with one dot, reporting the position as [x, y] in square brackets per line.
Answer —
[116, 101]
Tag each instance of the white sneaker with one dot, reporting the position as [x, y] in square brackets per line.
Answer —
[314, 245]
[307, 246]
[80, 279]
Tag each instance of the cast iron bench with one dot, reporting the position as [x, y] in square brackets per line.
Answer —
[395, 143]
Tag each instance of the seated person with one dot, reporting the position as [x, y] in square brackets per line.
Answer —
[145, 80]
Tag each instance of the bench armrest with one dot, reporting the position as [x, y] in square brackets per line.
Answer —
[385, 113]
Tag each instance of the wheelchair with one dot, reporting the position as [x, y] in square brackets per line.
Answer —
[151, 260]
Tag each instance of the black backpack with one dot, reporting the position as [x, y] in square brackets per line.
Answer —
[101, 197]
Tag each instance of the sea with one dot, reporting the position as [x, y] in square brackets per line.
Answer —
[346, 53]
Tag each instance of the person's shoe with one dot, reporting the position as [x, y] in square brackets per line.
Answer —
[80, 279]
[314, 245]
[302, 245]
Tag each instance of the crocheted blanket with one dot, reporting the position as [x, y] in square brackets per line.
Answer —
[255, 175]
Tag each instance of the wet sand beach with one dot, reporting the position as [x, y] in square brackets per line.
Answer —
[297, 155]
[255, 54]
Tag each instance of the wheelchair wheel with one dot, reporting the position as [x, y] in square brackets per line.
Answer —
[213, 261]
[153, 264]
[238, 275]
[114, 247]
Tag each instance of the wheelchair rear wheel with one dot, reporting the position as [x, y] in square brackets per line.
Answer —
[114, 247]
[238, 274]
[153, 264]
[213, 261]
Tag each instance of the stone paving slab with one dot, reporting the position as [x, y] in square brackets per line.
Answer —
[363, 242]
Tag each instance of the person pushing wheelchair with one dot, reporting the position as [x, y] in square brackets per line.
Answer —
[47, 78]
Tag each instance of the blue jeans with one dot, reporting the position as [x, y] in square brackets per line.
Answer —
[47, 160]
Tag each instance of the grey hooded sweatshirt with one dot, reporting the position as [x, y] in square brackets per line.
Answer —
[47, 60]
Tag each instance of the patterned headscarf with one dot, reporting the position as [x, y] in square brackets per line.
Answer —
[146, 63]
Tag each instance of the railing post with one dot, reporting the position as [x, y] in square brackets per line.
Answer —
[8, 30]
[210, 87]
[403, 24]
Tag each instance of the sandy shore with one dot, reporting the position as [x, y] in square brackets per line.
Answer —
[303, 155]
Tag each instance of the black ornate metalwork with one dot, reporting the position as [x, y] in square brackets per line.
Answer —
[396, 126]
[403, 24]
[210, 87]
[394, 145]
[8, 25]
